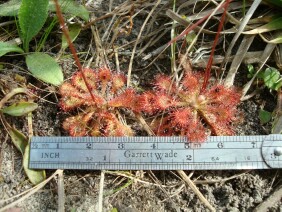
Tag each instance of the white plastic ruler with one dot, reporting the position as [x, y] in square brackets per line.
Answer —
[156, 153]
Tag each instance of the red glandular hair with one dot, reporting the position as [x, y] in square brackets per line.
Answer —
[187, 110]
[98, 111]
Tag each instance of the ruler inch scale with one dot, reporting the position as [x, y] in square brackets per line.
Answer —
[156, 153]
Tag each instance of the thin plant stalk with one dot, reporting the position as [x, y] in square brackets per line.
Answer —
[71, 46]
[209, 65]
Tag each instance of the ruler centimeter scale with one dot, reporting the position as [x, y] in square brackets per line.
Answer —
[156, 153]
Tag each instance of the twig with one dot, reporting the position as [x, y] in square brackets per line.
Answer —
[117, 60]
[155, 52]
[195, 189]
[250, 58]
[6, 23]
[101, 190]
[145, 126]
[61, 191]
[2, 150]
[29, 123]
[218, 181]
[89, 24]
[133, 178]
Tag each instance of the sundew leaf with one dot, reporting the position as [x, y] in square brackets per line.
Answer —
[20, 108]
[271, 26]
[35, 176]
[10, 8]
[74, 31]
[71, 7]
[45, 68]
[32, 16]
[9, 47]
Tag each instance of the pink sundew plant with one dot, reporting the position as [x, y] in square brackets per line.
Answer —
[192, 108]
[98, 112]
[187, 110]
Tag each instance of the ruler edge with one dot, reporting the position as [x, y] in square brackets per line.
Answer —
[54, 139]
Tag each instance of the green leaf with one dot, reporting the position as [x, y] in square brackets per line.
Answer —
[264, 116]
[271, 26]
[18, 139]
[8, 47]
[10, 8]
[20, 108]
[35, 176]
[251, 71]
[190, 37]
[45, 68]
[278, 85]
[32, 16]
[71, 7]
[74, 31]
[271, 77]
[275, 2]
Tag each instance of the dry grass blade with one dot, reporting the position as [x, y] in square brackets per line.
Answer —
[61, 191]
[31, 192]
[182, 61]
[155, 38]
[195, 189]
[273, 199]
[117, 173]
[277, 123]
[264, 57]
[137, 40]
[218, 181]
[247, 41]
[178, 18]
[144, 124]
[240, 30]
[101, 191]
[232, 6]
[155, 179]
[250, 58]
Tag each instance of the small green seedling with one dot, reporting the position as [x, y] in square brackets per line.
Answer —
[271, 77]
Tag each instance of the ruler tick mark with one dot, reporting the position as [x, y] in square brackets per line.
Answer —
[169, 153]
